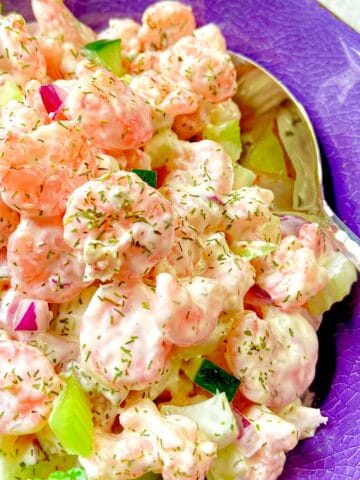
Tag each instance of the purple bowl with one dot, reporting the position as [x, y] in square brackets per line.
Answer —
[317, 57]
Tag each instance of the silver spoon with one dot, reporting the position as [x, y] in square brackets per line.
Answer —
[273, 117]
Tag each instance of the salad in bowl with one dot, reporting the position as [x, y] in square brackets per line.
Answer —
[158, 319]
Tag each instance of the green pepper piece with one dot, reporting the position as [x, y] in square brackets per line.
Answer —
[106, 53]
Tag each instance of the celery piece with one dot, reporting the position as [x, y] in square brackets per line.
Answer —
[243, 177]
[163, 148]
[10, 91]
[71, 419]
[211, 377]
[73, 474]
[342, 274]
[251, 250]
[228, 135]
[214, 417]
[267, 155]
[228, 465]
[106, 53]
[148, 176]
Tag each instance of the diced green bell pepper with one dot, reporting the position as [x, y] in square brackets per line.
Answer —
[211, 377]
[106, 53]
[148, 176]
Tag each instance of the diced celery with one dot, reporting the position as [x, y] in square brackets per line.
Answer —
[73, 474]
[211, 377]
[342, 274]
[106, 53]
[253, 250]
[71, 419]
[42, 469]
[228, 135]
[162, 148]
[10, 91]
[214, 417]
[228, 465]
[267, 155]
[243, 177]
[149, 176]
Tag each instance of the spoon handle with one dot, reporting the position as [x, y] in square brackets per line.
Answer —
[346, 240]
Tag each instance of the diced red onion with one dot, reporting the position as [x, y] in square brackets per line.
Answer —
[28, 320]
[216, 199]
[51, 98]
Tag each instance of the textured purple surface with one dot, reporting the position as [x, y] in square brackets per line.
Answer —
[318, 58]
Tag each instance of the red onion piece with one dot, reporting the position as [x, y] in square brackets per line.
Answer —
[290, 225]
[257, 296]
[51, 97]
[28, 320]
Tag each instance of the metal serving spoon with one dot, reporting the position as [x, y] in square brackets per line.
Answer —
[274, 120]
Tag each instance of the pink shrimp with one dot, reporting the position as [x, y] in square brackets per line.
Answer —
[149, 60]
[39, 170]
[292, 275]
[312, 237]
[150, 442]
[246, 213]
[28, 388]
[234, 273]
[127, 30]
[60, 33]
[109, 114]
[9, 220]
[184, 253]
[41, 264]
[117, 224]
[19, 51]
[165, 100]
[275, 358]
[210, 36]
[187, 312]
[163, 23]
[207, 72]
[137, 159]
[121, 344]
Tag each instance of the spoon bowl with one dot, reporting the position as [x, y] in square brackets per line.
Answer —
[280, 145]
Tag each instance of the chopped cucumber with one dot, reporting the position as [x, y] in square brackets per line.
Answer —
[228, 135]
[243, 177]
[342, 274]
[214, 417]
[228, 465]
[211, 377]
[106, 53]
[10, 91]
[149, 176]
[71, 419]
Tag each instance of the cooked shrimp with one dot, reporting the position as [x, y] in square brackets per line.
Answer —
[19, 50]
[18, 117]
[150, 442]
[9, 220]
[121, 344]
[165, 100]
[163, 23]
[312, 237]
[137, 159]
[109, 114]
[210, 36]
[275, 358]
[187, 312]
[149, 60]
[234, 273]
[127, 30]
[39, 170]
[28, 387]
[246, 214]
[207, 72]
[184, 253]
[117, 224]
[264, 443]
[41, 264]
[15, 305]
[306, 419]
[292, 275]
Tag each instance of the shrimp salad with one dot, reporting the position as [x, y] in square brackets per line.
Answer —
[157, 318]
